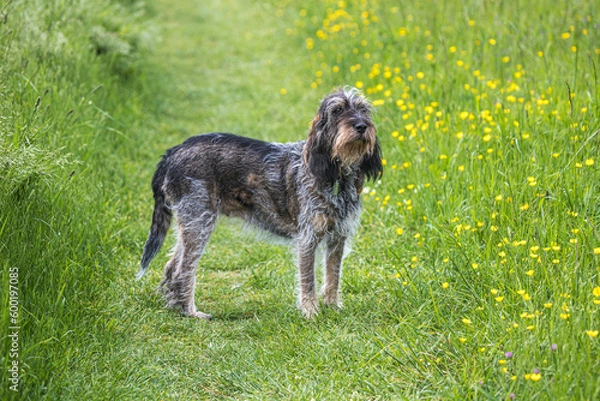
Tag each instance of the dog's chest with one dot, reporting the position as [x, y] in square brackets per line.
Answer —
[343, 200]
[333, 209]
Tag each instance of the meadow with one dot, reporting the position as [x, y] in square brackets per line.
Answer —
[475, 273]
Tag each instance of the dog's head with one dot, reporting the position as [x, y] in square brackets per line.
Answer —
[343, 137]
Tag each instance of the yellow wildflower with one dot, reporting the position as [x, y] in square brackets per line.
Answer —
[592, 333]
[535, 377]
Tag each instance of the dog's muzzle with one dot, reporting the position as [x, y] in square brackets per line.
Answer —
[361, 128]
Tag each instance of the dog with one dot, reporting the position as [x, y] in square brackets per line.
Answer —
[307, 192]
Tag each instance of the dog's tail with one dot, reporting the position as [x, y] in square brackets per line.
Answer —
[161, 219]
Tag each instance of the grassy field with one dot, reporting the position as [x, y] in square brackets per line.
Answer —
[475, 273]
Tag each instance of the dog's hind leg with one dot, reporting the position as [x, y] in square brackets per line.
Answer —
[196, 223]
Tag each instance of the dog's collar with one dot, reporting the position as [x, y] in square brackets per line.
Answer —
[336, 187]
[342, 175]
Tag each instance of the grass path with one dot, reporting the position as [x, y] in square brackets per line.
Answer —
[226, 62]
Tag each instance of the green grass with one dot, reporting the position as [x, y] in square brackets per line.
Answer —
[481, 239]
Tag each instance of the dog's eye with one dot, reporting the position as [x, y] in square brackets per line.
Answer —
[337, 110]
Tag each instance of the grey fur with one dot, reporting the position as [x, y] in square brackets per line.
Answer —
[307, 191]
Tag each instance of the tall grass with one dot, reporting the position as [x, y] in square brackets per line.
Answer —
[69, 79]
[489, 208]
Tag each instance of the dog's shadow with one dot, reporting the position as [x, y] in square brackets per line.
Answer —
[236, 294]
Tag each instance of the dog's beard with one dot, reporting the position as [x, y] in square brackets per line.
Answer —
[350, 147]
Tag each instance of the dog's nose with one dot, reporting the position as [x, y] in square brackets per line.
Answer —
[360, 128]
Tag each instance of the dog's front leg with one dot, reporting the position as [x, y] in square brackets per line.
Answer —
[333, 271]
[308, 302]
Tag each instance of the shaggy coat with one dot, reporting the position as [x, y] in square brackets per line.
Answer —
[307, 191]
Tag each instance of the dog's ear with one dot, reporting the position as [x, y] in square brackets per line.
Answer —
[371, 166]
[317, 155]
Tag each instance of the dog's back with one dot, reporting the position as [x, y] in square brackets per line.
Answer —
[238, 176]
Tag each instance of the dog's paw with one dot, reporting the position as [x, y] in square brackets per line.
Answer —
[333, 302]
[190, 311]
[309, 308]
[331, 298]
[201, 315]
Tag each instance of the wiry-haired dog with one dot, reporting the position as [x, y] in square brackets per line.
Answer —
[306, 191]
